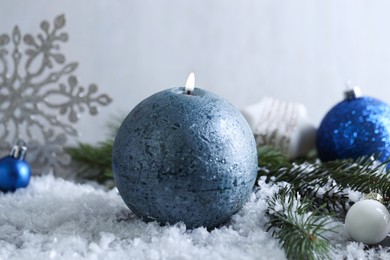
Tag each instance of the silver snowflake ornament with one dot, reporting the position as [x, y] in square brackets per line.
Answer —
[40, 98]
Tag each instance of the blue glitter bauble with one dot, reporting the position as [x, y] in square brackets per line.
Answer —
[189, 158]
[14, 173]
[354, 128]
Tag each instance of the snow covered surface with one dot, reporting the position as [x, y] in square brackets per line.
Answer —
[58, 219]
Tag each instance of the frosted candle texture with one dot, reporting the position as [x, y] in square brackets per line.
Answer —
[189, 158]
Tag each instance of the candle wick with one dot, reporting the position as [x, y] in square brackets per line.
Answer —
[188, 92]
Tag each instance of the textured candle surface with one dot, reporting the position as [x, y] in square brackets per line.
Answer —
[189, 158]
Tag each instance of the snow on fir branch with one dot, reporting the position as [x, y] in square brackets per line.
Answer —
[299, 225]
[330, 182]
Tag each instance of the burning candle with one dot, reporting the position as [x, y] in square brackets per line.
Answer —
[185, 154]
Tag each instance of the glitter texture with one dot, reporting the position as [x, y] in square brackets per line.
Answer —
[355, 128]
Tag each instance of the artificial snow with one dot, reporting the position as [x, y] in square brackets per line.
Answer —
[57, 219]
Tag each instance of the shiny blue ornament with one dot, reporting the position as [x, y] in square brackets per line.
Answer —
[185, 156]
[15, 172]
[358, 126]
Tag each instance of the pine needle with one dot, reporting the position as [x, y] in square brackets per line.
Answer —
[327, 182]
[95, 161]
[299, 226]
[271, 158]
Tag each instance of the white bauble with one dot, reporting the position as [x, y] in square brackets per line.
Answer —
[368, 221]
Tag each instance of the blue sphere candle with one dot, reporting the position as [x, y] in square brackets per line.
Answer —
[185, 156]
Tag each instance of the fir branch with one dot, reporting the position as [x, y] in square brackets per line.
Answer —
[299, 226]
[361, 175]
[95, 161]
[271, 158]
[310, 180]
[336, 176]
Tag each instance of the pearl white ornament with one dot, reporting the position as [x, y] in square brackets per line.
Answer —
[368, 221]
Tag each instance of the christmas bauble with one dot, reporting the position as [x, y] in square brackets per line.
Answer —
[15, 172]
[181, 156]
[367, 221]
[358, 126]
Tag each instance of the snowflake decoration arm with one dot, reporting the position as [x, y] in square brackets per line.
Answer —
[33, 97]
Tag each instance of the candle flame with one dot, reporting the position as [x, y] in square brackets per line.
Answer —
[190, 83]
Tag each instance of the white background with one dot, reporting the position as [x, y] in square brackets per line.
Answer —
[300, 51]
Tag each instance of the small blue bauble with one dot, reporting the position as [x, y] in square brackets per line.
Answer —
[185, 157]
[15, 172]
[358, 126]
